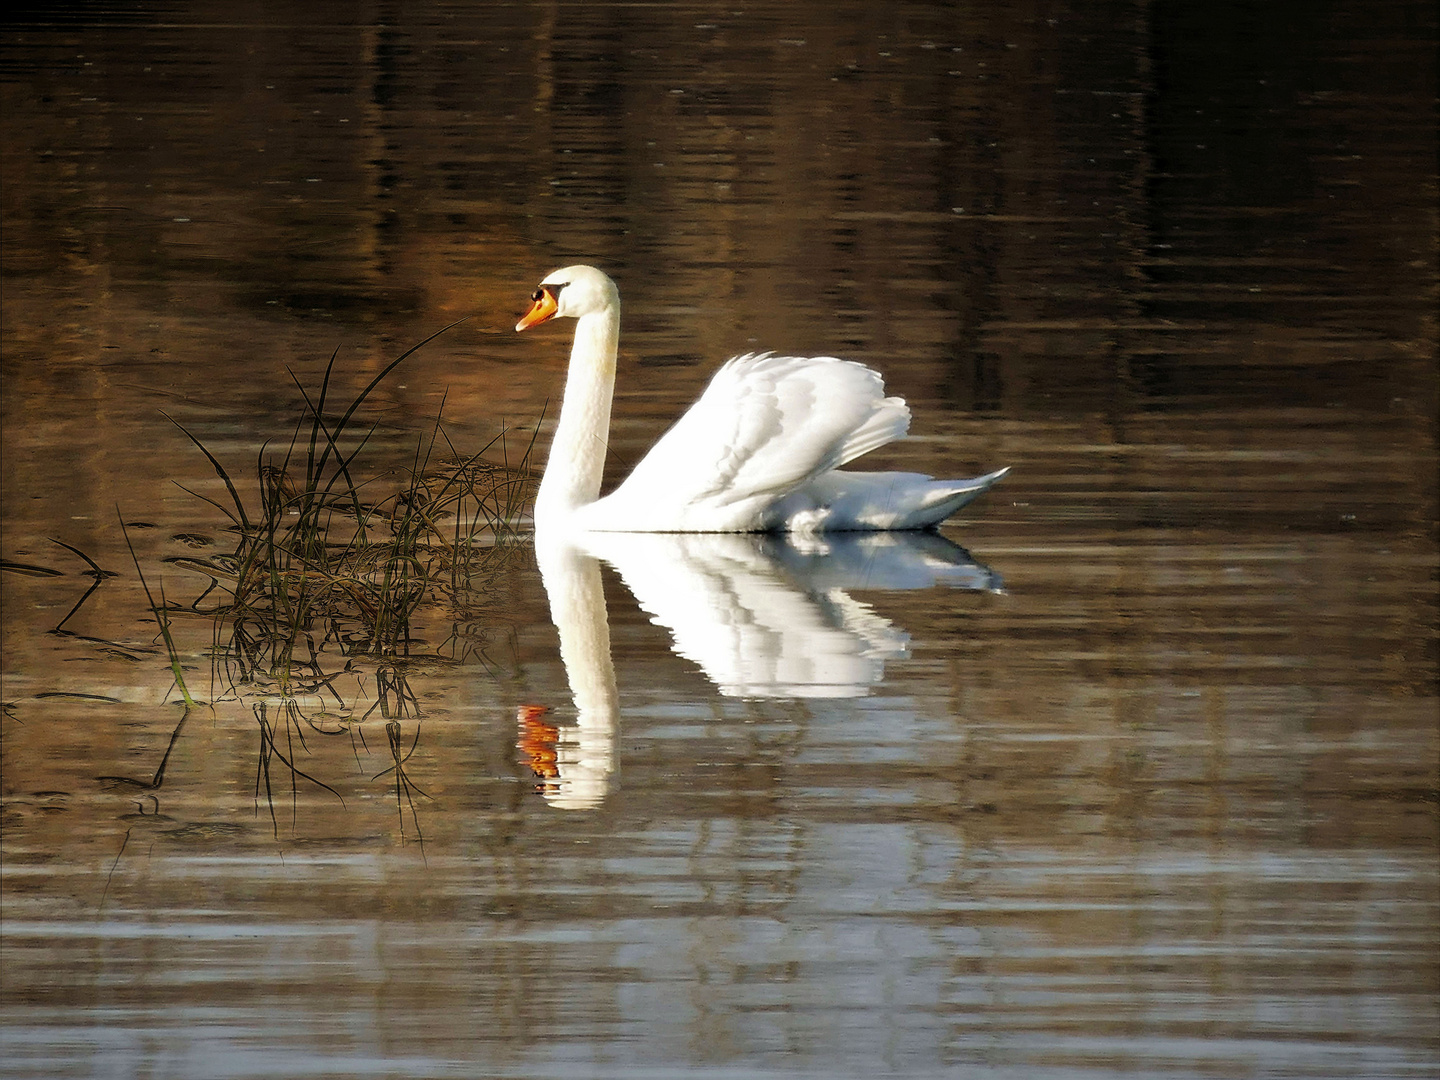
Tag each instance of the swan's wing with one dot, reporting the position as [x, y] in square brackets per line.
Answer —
[765, 425]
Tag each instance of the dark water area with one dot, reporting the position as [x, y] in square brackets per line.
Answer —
[1132, 771]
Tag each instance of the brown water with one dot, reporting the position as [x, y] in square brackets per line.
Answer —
[1163, 805]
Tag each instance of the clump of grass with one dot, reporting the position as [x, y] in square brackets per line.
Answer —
[329, 571]
[321, 562]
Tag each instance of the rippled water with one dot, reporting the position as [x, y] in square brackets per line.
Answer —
[1131, 772]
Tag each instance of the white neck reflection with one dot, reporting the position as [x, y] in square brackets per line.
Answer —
[762, 616]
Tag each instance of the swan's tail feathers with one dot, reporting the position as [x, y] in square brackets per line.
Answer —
[948, 496]
[840, 501]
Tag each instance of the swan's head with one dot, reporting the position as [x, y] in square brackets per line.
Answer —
[573, 292]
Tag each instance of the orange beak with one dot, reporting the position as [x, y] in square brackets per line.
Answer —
[542, 310]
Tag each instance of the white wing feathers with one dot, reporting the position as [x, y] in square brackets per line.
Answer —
[765, 425]
[791, 418]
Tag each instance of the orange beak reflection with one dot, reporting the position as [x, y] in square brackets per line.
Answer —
[537, 742]
[543, 309]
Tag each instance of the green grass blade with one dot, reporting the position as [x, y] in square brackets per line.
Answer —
[219, 469]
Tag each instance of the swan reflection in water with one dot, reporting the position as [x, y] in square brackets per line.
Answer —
[762, 615]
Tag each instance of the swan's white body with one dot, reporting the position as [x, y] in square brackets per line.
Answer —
[760, 451]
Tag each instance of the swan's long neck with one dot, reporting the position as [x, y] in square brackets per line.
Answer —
[577, 455]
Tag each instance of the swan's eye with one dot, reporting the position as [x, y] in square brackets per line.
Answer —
[538, 294]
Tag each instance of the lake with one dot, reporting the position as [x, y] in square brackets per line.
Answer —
[1130, 770]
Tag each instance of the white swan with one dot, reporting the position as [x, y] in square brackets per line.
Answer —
[760, 451]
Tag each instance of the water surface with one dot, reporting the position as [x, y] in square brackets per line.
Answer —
[1145, 787]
